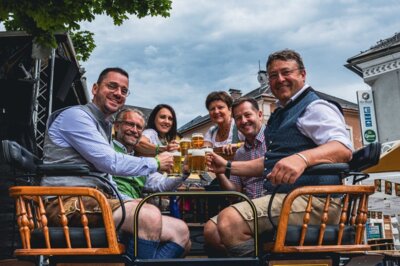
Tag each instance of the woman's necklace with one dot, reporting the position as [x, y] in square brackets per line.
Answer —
[222, 134]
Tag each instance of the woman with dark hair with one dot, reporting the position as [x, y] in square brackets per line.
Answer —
[160, 132]
[219, 106]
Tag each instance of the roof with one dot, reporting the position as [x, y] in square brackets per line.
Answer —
[144, 110]
[381, 48]
[343, 103]
[199, 120]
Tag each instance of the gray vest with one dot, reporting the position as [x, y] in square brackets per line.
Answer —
[54, 154]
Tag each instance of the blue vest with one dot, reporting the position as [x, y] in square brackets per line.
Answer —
[283, 139]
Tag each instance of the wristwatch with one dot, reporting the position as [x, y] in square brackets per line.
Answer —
[228, 169]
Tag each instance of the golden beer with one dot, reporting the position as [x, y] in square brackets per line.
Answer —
[189, 159]
[184, 144]
[177, 169]
[197, 140]
[198, 161]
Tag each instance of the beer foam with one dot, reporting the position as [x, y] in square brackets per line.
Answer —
[198, 152]
[176, 153]
[197, 135]
[206, 150]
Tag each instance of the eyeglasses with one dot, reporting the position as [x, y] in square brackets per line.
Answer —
[131, 125]
[113, 86]
[284, 73]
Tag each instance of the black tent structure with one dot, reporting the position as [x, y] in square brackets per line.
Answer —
[33, 84]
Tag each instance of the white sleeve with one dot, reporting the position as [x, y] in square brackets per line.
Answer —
[152, 135]
[157, 182]
[322, 122]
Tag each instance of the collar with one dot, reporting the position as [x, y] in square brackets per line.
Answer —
[259, 139]
[294, 97]
[122, 147]
[99, 114]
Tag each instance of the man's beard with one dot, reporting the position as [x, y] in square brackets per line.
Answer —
[132, 143]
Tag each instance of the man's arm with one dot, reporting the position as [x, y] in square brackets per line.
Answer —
[324, 124]
[145, 147]
[75, 128]
[157, 182]
[217, 164]
[288, 169]
[227, 184]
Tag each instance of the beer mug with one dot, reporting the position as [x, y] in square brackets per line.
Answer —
[177, 169]
[184, 144]
[189, 159]
[207, 150]
[198, 161]
[197, 140]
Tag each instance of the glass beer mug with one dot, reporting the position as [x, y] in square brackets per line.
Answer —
[184, 145]
[197, 140]
[198, 161]
[177, 169]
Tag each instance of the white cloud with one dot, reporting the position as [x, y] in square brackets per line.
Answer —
[207, 45]
[150, 50]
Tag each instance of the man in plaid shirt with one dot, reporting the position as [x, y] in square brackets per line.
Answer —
[248, 119]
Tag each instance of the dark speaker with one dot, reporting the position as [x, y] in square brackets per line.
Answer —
[65, 73]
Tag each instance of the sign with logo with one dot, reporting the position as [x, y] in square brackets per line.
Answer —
[369, 130]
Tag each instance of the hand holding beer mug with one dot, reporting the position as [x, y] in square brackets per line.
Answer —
[198, 161]
[197, 140]
[166, 162]
[177, 168]
[172, 146]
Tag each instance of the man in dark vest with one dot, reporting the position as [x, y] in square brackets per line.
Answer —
[303, 131]
[82, 135]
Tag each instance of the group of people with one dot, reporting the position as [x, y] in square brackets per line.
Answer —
[303, 131]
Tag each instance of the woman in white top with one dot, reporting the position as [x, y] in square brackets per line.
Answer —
[219, 104]
[160, 132]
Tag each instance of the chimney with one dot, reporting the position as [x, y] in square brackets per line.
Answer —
[235, 94]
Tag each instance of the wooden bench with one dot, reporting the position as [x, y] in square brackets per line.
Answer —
[101, 244]
[37, 236]
[323, 240]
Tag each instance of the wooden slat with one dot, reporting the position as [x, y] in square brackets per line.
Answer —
[324, 220]
[343, 218]
[43, 218]
[64, 221]
[306, 220]
[84, 221]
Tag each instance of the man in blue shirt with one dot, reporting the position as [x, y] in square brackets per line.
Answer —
[82, 134]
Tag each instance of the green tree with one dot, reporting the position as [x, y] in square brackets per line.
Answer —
[44, 18]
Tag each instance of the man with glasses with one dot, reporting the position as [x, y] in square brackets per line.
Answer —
[303, 131]
[128, 128]
[82, 135]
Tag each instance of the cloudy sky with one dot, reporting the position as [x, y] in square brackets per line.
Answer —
[208, 45]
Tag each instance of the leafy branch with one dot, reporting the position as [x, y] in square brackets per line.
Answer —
[43, 18]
